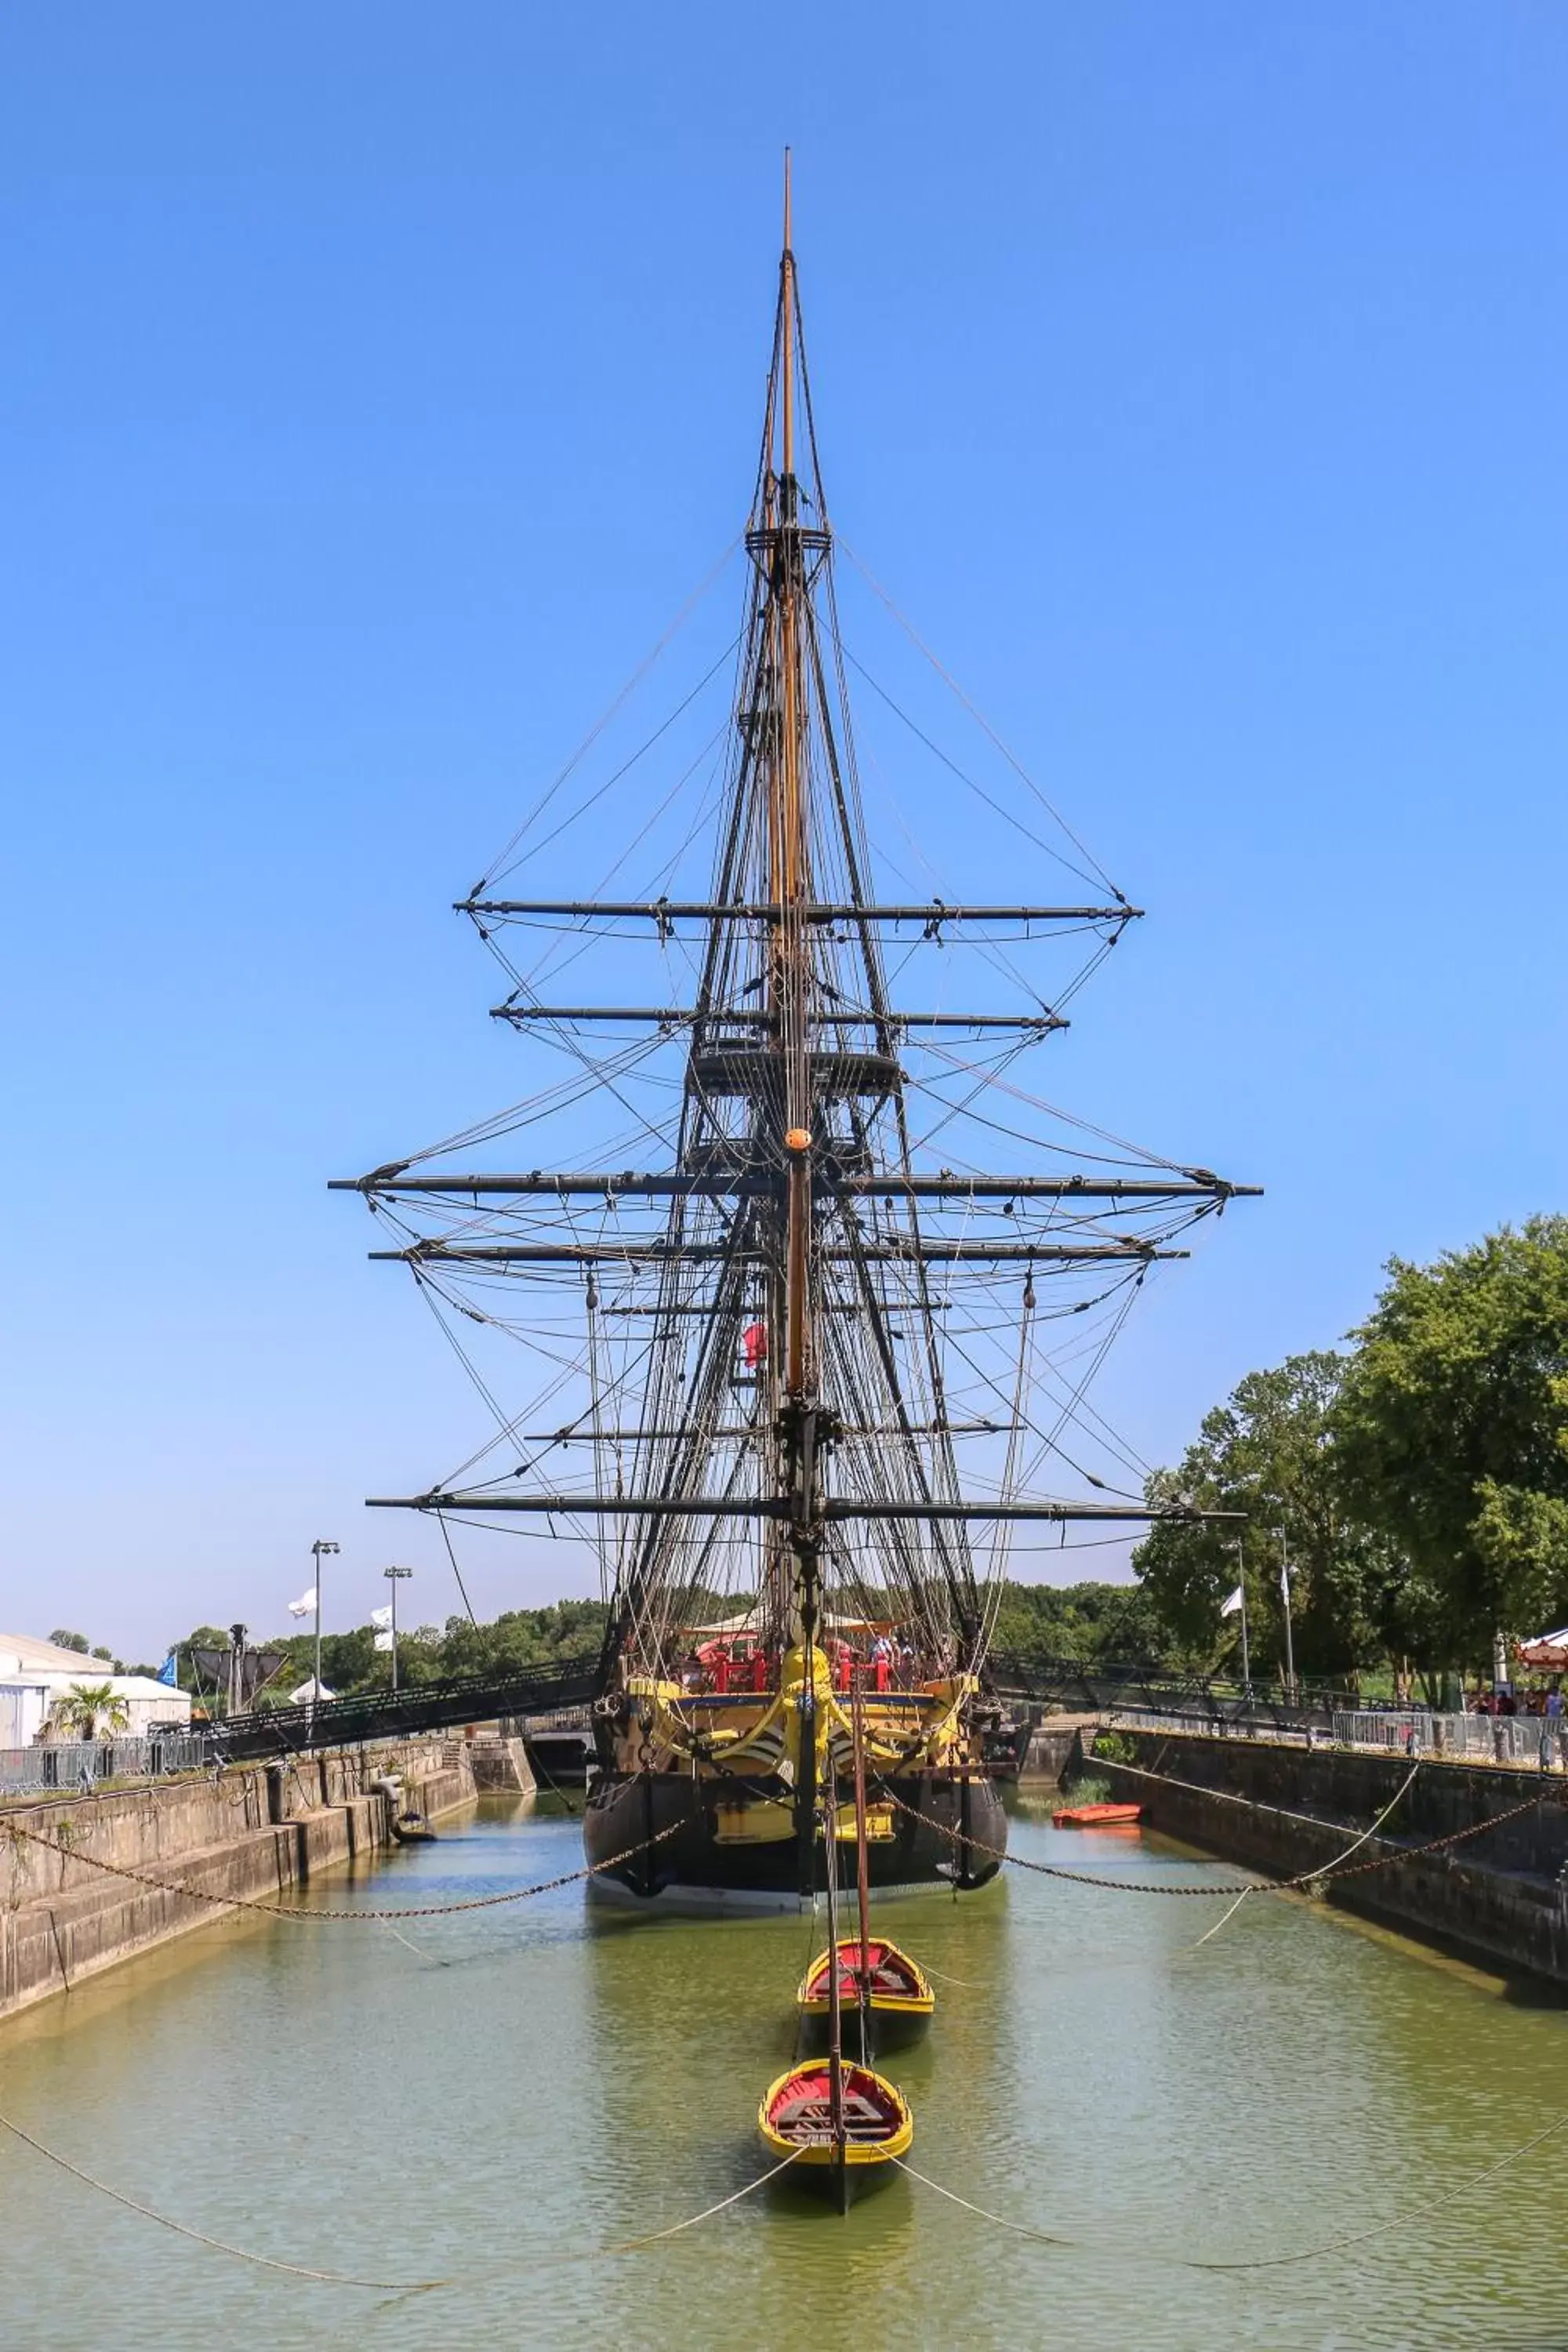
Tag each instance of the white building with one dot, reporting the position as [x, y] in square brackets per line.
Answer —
[33, 1674]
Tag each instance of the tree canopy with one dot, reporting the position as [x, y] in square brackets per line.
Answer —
[1087, 1622]
[1452, 1434]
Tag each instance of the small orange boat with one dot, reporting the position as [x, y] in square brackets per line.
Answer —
[1097, 1817]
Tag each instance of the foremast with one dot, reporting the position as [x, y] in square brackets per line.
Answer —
[779, 549]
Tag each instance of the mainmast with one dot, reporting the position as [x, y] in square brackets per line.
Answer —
[788, 965]
[783, 1416]
[798, 1610]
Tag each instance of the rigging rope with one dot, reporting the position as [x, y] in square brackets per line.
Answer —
[493, 870]
[979, 718]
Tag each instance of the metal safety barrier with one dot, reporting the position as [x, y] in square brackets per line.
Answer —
[75, 1764]
[1534, 1741]
[1478, 1739]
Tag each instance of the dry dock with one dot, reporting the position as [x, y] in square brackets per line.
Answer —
[252, 1832]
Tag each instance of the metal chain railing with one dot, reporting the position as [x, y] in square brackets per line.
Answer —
[306, 1912]
[1324, 1874]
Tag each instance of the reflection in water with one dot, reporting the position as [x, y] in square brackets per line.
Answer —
[526, 2083]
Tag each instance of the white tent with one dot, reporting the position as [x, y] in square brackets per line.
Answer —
[309, 1691]
[34, 1675]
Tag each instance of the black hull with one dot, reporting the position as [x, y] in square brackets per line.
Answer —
[664, 1825]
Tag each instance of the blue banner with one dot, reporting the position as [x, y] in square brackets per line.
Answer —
[169, 1672]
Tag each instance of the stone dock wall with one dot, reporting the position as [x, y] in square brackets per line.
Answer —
[1499, 1894]
[1053, 1747]
[257, 1830]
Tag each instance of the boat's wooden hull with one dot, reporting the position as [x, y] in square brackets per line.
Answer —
[840, 2173]
[888, 2019]
[659, 1834]
[840, 2186]
[1096, 1817]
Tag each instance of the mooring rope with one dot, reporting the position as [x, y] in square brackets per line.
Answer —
[1020, 2228]
[1209, 1933]
[387, 2286]
[1445, 2198]
[306, 1912]
[201, 2238]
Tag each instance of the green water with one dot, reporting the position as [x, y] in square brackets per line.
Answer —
[538, 2081]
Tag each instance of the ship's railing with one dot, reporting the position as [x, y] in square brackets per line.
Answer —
[71, 1765]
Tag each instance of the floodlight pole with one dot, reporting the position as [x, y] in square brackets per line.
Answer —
[395, 1574]
[320, 1550]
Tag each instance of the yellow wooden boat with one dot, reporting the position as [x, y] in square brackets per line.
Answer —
[872, 1974]
[795, 2119]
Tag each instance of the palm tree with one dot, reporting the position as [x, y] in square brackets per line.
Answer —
[88, 1711]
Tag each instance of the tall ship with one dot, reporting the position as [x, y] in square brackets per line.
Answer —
[802, 1370]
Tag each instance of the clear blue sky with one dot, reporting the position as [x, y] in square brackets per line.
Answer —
[378, 381]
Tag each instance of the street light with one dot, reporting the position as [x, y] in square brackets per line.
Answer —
[1284, 1592]
[396, 1575]
[320, 1550]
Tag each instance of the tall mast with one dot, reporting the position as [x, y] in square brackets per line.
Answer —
[791, 943]
[797, 1429]
[792, 1227]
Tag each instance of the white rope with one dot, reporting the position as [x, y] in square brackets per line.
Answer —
[1445, 2198]
[391, 2286]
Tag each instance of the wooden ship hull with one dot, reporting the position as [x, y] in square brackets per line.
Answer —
[720, 1794]
[703, 1845]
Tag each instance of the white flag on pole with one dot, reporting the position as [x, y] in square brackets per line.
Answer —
[381, 1616]
[383, 1641]
[1229, 1607]
[305, 1603]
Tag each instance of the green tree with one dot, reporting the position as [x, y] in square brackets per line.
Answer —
[1085, 1622]
[88, 1711]
[63, 1639]
[1452, 1434]
[1270, 1455]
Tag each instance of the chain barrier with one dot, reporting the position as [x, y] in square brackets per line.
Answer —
[1229, 1888]
[1379, 1861]
[1436, 1845]
[306, 1912]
